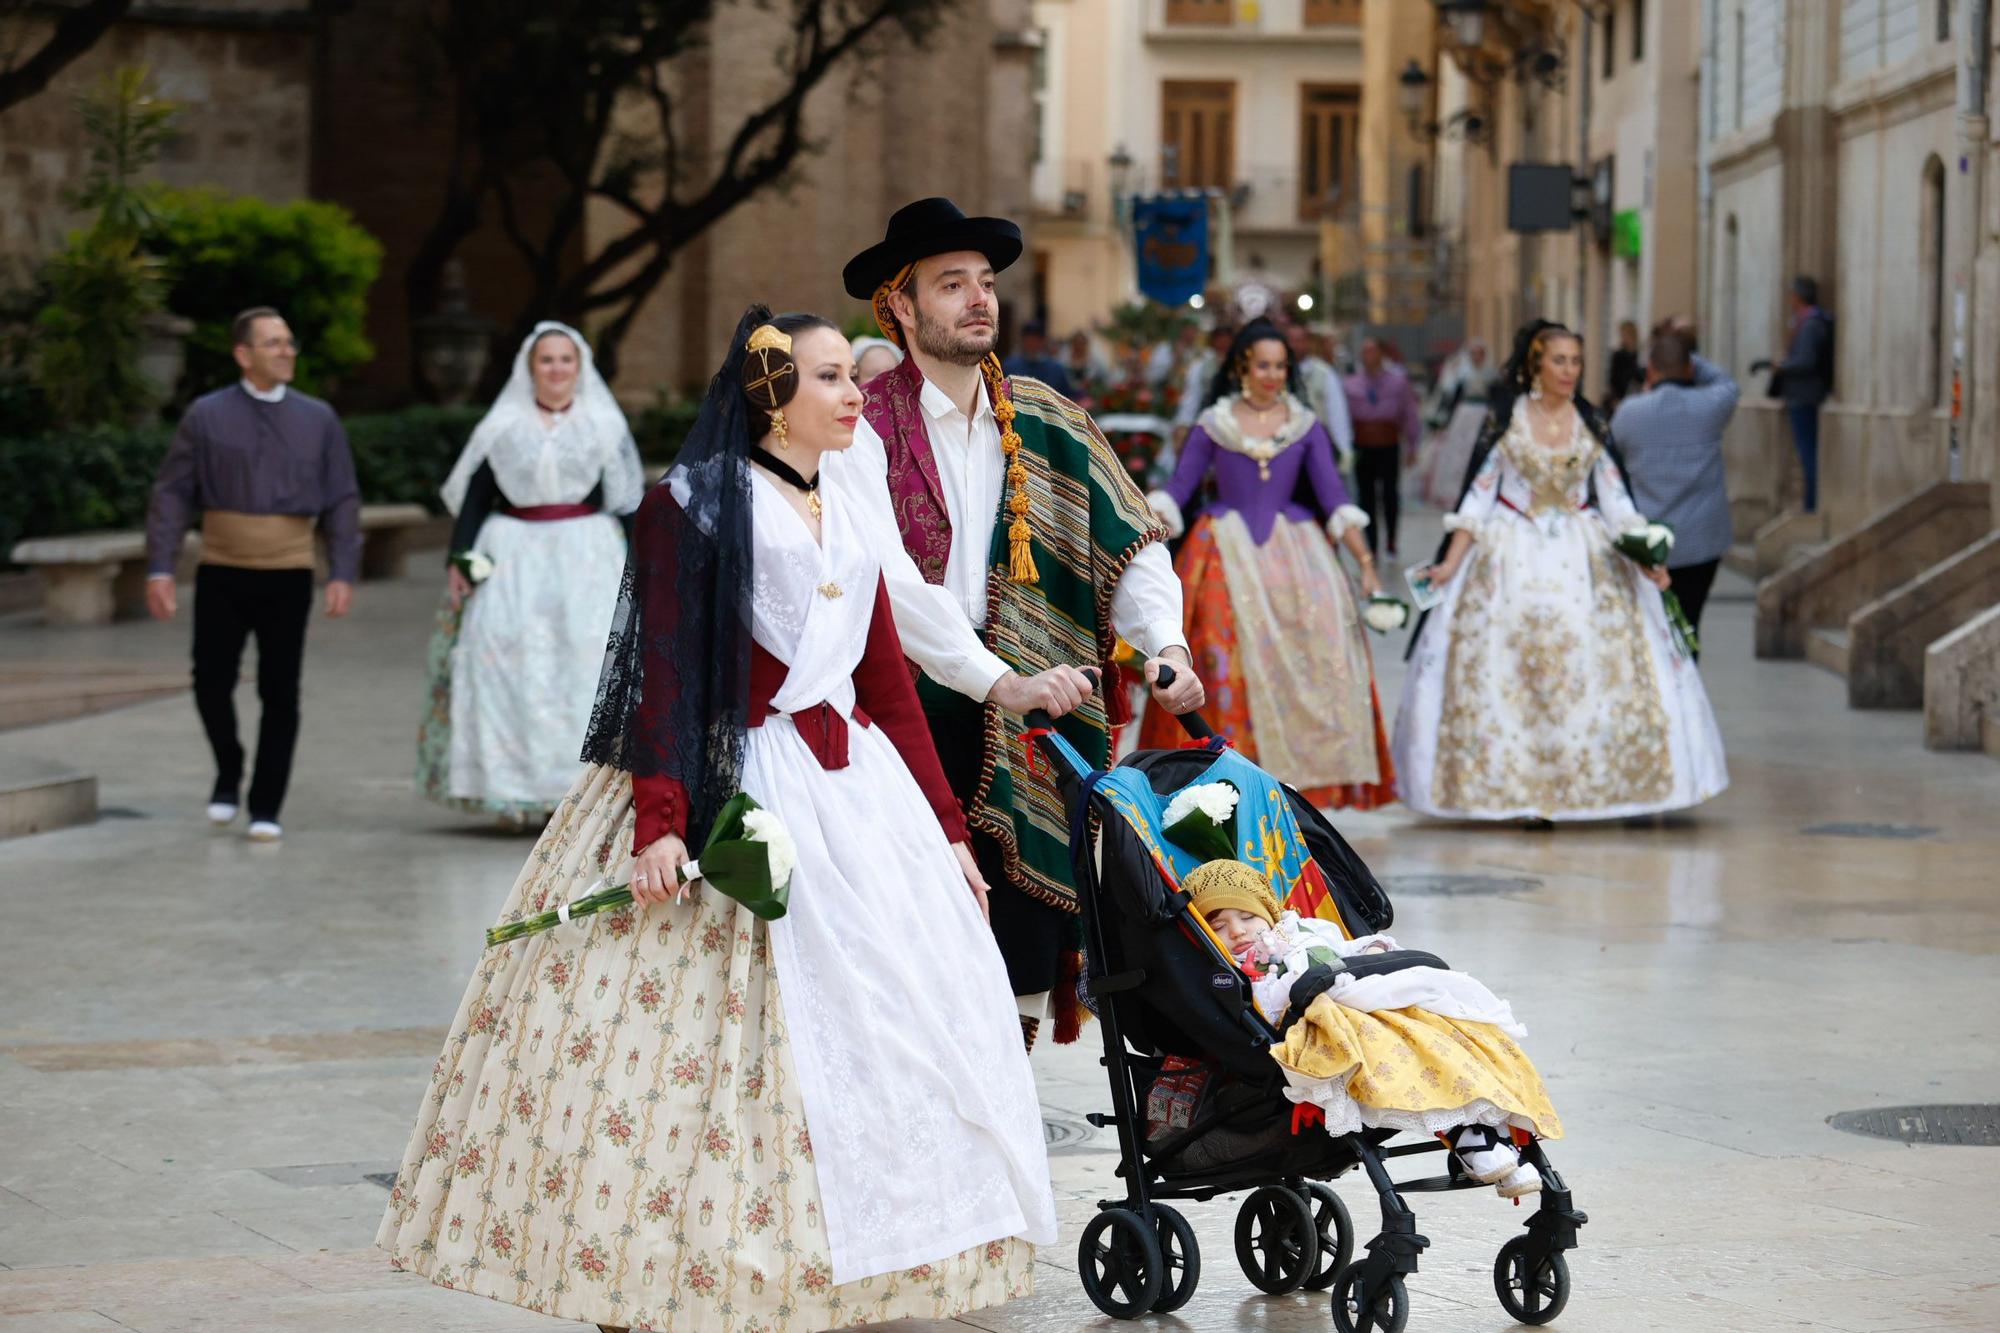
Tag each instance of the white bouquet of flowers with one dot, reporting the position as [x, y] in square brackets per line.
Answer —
[1201, 819]
[1384, 613]
[475, 567]
[1649, 545]
[749, 856]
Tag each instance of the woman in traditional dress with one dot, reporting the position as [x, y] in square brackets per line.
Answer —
[1273, 619]
[538, 495]
[1547, 685]
[677, 1116]
[1456, 418]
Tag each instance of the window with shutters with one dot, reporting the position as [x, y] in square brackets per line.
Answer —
[1197, 134]
[1329, 128]
[1216, 13]
[1323, 12]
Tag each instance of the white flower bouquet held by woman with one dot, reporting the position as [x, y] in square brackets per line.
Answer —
[1384, 613]
[1649, 545]
[475, 567]
[749, 856]
[1201, 819]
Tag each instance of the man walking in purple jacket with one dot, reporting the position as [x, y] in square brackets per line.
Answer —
[262, 464]
[1388, 420]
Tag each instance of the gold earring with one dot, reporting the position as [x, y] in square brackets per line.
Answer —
[778, 426]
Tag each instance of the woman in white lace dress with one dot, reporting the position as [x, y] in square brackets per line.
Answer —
[1548, 684]
[677, 1115]
[538, 494]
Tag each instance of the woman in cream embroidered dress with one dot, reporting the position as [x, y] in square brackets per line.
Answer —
[1273, 620]
[539, 492]
[677, 1116]
[1547, 684]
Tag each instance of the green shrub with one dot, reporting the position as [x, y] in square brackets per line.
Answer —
[101, 289]
[311, 260]
[660, 430]
[77, 481]
[403, 457]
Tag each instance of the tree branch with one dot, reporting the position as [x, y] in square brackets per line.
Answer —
[75, 32]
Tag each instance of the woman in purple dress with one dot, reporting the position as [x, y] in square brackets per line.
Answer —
[1273, 619]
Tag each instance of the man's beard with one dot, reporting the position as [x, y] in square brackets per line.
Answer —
[952, 345]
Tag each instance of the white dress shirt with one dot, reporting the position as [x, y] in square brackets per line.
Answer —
[941, 625]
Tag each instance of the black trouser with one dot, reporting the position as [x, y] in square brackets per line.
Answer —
[1691, 584]
[1032, 935]
[1378, 479]
[229, 606]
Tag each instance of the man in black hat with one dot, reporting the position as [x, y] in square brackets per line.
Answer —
[1017, 550]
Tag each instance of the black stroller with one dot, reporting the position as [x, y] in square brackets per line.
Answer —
[1161, 988]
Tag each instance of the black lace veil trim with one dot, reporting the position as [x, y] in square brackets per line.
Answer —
[674, 696]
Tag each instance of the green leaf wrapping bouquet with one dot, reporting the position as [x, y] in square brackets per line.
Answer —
[1202, 820]
[749, 856]
[1649, 545]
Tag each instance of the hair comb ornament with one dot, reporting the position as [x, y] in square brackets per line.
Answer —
[770, 377]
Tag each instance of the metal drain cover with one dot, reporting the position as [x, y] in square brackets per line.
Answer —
[1965, 1126]
[1063, 1132]
[1456, 886]
[1863, 830]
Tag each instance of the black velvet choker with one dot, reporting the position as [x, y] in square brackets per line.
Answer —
[782, 470]
[785, 472]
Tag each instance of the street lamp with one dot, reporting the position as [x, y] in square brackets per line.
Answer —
[1121, 176]
[1466, 18]
[1414, 84]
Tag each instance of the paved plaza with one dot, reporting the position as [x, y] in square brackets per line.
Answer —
[207, 1048]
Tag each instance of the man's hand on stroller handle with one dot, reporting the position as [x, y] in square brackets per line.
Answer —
[1176, 687]
[1057, 691]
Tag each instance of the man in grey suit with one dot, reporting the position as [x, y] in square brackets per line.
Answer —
[1672, 438]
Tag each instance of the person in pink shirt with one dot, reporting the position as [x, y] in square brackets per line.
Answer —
[1388, 421]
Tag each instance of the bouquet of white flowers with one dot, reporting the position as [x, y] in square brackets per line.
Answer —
[1649, 544]
[1384, 613]
[1202, 819]
[749, 856]
[475, 567]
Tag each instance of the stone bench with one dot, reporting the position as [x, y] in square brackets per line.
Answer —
[92, 578]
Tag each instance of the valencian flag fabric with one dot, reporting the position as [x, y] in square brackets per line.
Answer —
[1171, 237]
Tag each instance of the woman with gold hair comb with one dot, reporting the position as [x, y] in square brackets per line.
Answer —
[684, 1114]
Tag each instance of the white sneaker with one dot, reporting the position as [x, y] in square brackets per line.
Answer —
[221, 813]
[1486, 1156]
[1523, 1179]
[266, 830]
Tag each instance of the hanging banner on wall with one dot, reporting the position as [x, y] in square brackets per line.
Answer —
[1170, 233]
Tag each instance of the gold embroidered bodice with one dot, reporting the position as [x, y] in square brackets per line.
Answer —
[1541, 477]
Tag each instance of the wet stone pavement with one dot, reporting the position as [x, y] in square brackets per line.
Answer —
[208, 1048]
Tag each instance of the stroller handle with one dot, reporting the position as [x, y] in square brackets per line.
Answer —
[1038, 719]
[1192, 722]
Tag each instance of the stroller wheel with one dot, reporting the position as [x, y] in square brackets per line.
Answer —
[1387, 1308]
[1180, 1260]
[1277, 1243]
[1336, 1235]
[1533, 1288]
[1118, 1259]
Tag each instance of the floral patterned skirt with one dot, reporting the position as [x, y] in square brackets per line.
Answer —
[614, 1132]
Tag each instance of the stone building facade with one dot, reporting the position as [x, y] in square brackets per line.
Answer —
[285, 99]
[1832, 149]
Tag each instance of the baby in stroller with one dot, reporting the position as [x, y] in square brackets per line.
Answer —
[1298, 968]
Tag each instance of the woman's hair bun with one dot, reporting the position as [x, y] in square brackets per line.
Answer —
[770, 376]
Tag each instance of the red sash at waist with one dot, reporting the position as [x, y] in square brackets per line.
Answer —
[824, 731]
[547, 513]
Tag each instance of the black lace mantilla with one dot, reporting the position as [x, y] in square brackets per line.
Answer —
[674, 696]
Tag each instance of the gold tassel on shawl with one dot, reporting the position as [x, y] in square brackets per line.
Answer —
[1020, 555]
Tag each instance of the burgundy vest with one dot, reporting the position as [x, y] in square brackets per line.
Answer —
[916, 494]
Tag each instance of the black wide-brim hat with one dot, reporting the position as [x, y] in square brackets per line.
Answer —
[929, 227]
